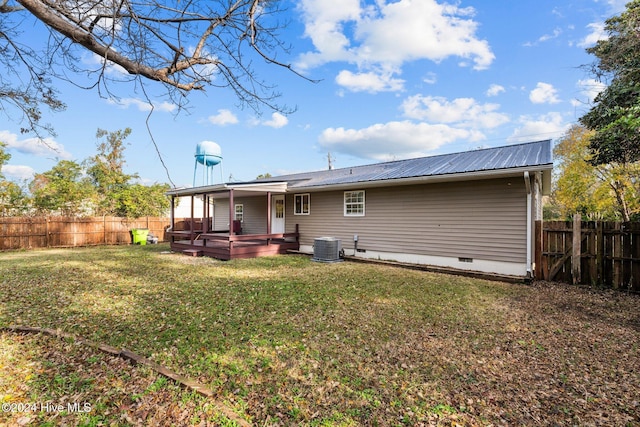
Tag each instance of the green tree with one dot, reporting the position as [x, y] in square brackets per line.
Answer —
[63, 190]
[615, 117]
[116, 194]
[106, 170]
[4, 157]
[574, 177]
[13, 200]
[137, 200]
[600, 192]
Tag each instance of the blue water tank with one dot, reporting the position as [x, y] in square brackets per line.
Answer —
[208, 153]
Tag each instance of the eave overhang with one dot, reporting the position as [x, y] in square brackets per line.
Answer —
[247, 189]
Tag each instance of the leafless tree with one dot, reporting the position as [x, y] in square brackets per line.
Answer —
[185, 45]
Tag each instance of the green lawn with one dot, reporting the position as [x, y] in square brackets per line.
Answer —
[286, 341]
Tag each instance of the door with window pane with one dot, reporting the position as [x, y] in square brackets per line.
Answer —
[277, 214]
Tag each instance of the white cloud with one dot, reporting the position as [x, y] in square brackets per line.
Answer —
[495, 90]
[589, 89]
[544, 93]
[223, 118]
[430, 78]
[324, 25]
[393, 140]
[18, 172]
[277, 121]
[142, 105]
[111, 68]
[617, 6]
[46, 147]
[534, 128]
[379, 38]
[596, 32]
[368, 82]
[434, 122]
[463, 112]
[546, 37]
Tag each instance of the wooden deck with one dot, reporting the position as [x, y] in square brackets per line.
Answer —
[226, 247]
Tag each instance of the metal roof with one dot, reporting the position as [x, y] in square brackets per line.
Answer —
[486, 162]
[532, 154]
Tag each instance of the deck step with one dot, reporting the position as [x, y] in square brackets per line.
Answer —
[192, 252]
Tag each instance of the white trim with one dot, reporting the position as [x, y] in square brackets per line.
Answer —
[235, 211]
[278, 224]
[308, 212]
[262, 187]
[344, 203]
[484, 266]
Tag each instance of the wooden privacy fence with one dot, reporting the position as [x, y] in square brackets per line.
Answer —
[55, 232]
[600, 253]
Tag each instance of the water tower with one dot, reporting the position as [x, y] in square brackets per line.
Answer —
[208, 154]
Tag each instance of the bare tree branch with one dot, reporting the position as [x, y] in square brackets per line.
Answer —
[185, 45]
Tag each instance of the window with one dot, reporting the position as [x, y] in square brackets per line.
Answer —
[354, 203]
[279, 208]
[301, 204]
[239, 210]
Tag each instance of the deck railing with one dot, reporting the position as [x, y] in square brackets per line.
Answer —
[226, 245]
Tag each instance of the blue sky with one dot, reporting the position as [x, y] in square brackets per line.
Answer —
[398, 79]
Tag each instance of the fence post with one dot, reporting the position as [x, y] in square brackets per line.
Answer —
[617, 255]
[577, 249]
[600, 252]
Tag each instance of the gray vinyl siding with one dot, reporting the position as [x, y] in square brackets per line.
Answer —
[254, 213]
[483, 219]
[221, 214]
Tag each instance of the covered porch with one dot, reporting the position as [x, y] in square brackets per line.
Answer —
[225, 229]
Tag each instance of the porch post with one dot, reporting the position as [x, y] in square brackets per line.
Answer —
[192, 221]
[172, 219]
[268, 212]
[232, 211]
[204, 214]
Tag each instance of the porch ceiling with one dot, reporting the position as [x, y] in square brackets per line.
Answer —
[222, 190]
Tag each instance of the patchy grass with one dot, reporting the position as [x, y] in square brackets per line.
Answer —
[285, 341]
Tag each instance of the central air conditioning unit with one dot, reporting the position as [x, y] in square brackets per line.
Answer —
[327, 249]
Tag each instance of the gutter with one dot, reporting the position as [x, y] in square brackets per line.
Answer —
[527, 185]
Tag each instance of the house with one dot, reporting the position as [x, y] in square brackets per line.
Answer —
[473, 210]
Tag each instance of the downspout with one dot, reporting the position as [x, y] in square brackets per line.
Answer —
[527, 186]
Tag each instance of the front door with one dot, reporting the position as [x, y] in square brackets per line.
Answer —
[277, 214]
